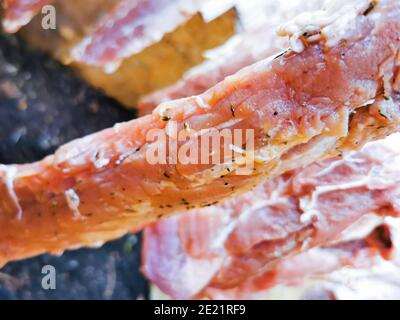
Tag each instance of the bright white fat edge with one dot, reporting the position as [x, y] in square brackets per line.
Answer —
[73, 202]
[10, 173]
[336, 21]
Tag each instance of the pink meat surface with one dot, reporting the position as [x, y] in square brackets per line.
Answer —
[322, 273]
[338, 92]
[131, 27]
[257, 42]
[248, 235]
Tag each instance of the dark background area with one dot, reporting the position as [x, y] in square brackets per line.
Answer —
[42, 106]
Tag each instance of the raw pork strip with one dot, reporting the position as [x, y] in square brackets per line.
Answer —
[133, 26]
[333, 92]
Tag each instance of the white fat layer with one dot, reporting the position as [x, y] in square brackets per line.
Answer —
[377, 178]
[201, 102]
[178, 13]
[336, 22]
[112, 67]
[10, 173]
[99, 160]
[163, 109]
[362, 228]
[224, 233]
[317, 149]
[73, 202]
[15, 25]
[310, 206]
[274, 199]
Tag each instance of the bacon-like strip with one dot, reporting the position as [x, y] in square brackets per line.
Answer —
[301, 107]
[298, 211]
[18, 13]
[238, 53]
[244, 49]
[131, 27]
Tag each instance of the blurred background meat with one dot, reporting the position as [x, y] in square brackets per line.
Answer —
[20, 12]
[133, 63]
[132, 48]
[258, 40]
[251, 234]
[138, 58]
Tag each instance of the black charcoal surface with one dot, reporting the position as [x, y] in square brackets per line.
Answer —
[43, 105]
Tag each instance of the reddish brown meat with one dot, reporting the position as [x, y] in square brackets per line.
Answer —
[359, 269]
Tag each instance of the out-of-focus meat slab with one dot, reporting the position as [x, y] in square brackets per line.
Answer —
[75, 20]
[256, 43]
[18, 13]
[358, 269]
[295, 212]
[161, 63]
[351, 270]
[381, 282]
[177, 33]
[301, 107]
[318, 263]
[133, 26]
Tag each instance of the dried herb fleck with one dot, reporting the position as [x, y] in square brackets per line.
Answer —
[383, 115]
[371, 7]
[281, 54]
[166, 174]
[232, 107]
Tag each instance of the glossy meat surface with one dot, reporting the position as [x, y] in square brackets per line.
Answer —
[302, 106]
[258, 41]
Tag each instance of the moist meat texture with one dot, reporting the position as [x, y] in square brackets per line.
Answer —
[331, 93]
[246, 48]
